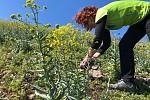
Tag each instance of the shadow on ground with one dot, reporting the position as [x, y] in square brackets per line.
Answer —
[143, 86]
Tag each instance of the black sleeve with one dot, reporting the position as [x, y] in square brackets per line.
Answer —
[106, 39]
[101, 35]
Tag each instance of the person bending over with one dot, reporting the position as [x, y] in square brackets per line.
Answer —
[113, 16]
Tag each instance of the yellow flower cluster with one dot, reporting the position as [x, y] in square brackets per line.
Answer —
[68, 38]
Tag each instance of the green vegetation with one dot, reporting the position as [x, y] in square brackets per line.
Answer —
[21, 65]
[42, 62]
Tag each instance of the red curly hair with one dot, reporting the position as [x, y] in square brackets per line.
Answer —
[84, 15]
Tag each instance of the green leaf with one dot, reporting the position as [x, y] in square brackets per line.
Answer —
[18, 15]
[37, 88]
[44, 7]
[13, 16]
[57, 26]
[34, 6]
[27, 15]
[29, 3]
[72, 98]
[45, 96]
[61, 94]
[47, 25]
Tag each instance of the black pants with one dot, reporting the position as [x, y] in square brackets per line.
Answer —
[126, 45]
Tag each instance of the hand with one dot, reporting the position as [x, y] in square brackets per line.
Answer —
[84, 63]
[96, 55]
[90, 53]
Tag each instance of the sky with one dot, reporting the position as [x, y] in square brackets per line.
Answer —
[59, 11]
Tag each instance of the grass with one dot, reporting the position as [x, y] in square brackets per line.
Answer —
[21, 67]
[38, 62]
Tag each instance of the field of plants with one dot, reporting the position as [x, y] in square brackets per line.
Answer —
[39, 62]
[49, 66]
